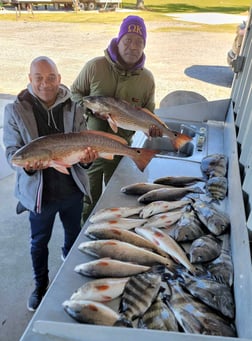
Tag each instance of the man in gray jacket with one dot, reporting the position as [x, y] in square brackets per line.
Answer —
[44, 108]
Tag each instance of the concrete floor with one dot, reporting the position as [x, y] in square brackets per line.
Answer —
[16, 282]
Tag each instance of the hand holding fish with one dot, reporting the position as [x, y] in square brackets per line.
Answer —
[155, 131]
[35, 165]
[89, 155]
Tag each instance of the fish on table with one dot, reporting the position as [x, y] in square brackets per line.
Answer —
[91, 312]
[140, 188]
[216, 187]
[113, 213]
[123, 251]
[101, 289]
[106, 267]
[222, 268]
[179, 181]
[122, 223]
[169, 194]
[163, 220]
[205, 249]
[110, 232]
[196, 317]
[161, 206]
[188, 227]
[213, 293]
[167, 244]
[158, 317]
[215, 220]
[138, 294]
[120, 113]
[62, 150]
[214, 165]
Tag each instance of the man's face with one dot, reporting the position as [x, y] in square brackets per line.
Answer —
[131, 48]
[45, 81]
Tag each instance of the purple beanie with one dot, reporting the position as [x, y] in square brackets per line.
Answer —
[132, 24]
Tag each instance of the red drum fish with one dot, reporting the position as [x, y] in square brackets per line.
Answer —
[120, 113]
[65, 149]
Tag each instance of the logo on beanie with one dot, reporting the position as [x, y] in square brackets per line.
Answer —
[132, 28]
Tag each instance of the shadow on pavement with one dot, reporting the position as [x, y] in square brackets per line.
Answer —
[218, 75]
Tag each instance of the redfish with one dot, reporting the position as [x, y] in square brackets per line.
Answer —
[65, 149]
[120, 113]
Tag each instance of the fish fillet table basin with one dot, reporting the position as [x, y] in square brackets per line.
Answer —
[50, 321]
[196, 149]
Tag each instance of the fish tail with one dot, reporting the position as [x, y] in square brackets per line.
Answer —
[180, 140]
[143, 156]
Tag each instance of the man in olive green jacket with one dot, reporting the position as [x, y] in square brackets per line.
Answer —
[121, 74]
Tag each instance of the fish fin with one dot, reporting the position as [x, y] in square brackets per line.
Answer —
[106, 156]
[112, 124]
[154, 116]
[60, 166]
[143, 157]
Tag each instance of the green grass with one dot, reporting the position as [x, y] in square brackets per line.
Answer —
[154, 11]
[178, 6]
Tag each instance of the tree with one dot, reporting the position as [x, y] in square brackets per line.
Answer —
[140, 4]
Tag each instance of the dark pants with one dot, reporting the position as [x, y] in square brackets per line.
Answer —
[100, 172]
[41, 230]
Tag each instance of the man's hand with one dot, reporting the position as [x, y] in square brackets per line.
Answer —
[36, 165]
[89, 155]
[154, 131]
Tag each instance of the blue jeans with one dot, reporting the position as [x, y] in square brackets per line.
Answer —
[41, 230]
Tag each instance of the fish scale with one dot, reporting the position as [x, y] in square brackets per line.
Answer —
[139, 293]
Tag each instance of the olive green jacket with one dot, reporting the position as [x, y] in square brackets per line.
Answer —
[103, 77]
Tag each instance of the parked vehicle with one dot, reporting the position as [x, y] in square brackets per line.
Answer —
[80, 4]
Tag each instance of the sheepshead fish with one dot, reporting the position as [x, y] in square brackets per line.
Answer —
[214, 294]
[114, 213]
[106, 267]
[122, 235]
[120, 113]
[167, 244]
[221, 268]
[65, 149]
[216, 221]
[214, 165]
[140, 188]
[179, 181]
[138, 295]
[205, 249]
[86, 311]
[168, 194]
[194, 316]
[101, 290]
[160, 206]
[123, 251]
[158, 317]
[188, 227]
[216, 187]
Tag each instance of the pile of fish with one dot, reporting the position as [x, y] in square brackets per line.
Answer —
[165, 265]
[214, 169]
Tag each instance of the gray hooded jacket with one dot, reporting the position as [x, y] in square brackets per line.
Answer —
[20, 128]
